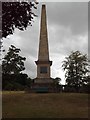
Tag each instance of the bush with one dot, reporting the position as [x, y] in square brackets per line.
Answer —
[15, 81]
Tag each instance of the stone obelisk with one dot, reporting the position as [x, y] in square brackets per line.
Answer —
[43, 79]
[43, 62]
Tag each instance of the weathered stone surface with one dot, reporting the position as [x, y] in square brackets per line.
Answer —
[43, 54]
[43, 79]
[43, 44]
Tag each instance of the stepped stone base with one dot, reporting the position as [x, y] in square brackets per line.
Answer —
[43, 80]
[42, 85]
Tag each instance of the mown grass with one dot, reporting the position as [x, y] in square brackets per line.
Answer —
[50, 105]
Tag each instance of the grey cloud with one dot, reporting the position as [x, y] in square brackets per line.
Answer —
[72, 14]
[30, 68]
[62, 41]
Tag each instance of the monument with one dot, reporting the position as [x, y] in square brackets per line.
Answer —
[43, 81]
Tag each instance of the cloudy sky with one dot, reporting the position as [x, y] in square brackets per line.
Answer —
[67, 24]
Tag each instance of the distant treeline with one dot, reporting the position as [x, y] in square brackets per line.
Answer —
[22, 82]
[15, 81]
[74, 89]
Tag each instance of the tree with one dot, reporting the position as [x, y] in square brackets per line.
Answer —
[56, 84]
[19, 81]
[13, 63]
[16, 15]
[57, 80]
[88, 79]
[76, 67]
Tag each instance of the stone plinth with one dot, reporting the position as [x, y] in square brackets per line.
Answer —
[43, 85]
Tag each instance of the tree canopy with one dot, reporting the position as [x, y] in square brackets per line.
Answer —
[16, 15]
[12, 67]
[13, 63]
[76, 67]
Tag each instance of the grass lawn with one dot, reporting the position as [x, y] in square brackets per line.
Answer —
[49, 105]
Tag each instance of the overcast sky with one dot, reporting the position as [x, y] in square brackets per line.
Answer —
[67, 24]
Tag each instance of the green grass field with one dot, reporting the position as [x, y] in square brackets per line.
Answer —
[49, 105]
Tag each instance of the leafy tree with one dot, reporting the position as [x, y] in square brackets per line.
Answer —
[16, 15]
[57, 81]
[88, 79]
[15, 81]
[56, 84]
[76, 67]
[13, 63]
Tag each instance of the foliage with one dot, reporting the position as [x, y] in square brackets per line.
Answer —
[13, 63]
[16, 15]
[76, 67]
[57, 80]
[15, 81]
[56, 84]
[12, 67]
[88, 79]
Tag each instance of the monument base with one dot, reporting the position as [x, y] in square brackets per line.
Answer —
[42, 85]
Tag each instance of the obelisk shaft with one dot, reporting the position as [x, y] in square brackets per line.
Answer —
[43, 44]
[43, 63]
